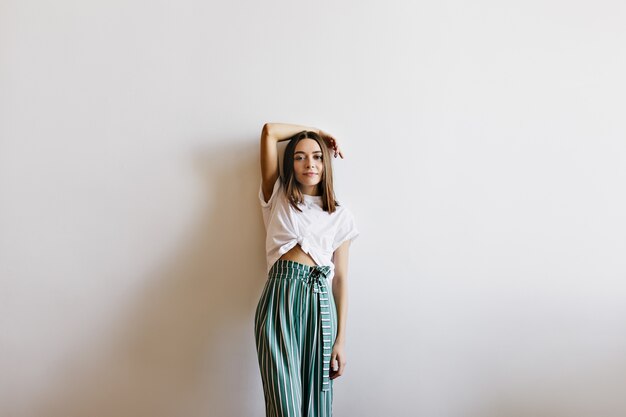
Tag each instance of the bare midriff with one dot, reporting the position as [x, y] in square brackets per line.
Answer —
[296, 254]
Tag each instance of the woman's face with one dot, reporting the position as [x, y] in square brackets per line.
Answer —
[308, 165]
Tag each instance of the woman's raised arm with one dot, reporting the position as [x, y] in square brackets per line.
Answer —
[272, 134]
[276, 132]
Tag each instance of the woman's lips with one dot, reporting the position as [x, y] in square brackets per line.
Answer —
[310, 174]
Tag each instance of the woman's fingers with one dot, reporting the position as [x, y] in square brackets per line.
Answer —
[331, 142]
[337, 366]
[336, 149]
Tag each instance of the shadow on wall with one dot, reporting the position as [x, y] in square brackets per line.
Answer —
[185, 345]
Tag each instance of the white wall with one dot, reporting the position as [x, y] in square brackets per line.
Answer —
[485, 163]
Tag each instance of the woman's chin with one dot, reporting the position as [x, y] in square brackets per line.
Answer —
[309, 182]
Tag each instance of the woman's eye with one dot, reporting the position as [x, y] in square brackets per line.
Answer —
[301, 158]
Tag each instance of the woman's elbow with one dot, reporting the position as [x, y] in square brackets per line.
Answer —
[267, 128]
[340, 279]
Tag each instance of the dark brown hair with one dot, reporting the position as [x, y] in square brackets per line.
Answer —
[292, 187]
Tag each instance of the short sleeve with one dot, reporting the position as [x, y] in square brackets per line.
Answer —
[347, 230]
[269, 202]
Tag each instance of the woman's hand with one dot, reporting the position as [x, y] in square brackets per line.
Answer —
[331, 142]
[337, 361]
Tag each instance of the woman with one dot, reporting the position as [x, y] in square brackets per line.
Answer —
[300, 321]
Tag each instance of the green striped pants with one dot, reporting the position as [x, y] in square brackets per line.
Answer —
[295, 327]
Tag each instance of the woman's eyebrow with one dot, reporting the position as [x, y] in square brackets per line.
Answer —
[305, 152]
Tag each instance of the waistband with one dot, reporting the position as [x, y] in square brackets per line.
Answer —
[284, 268]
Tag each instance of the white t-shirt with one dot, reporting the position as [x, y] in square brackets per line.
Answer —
[318, 232]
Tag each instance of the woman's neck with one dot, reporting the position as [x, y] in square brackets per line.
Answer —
[313, 190]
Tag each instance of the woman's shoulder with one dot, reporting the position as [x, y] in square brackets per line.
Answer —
[342, 210]
[277, 190]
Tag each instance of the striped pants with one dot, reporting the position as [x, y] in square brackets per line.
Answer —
[295, 328]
